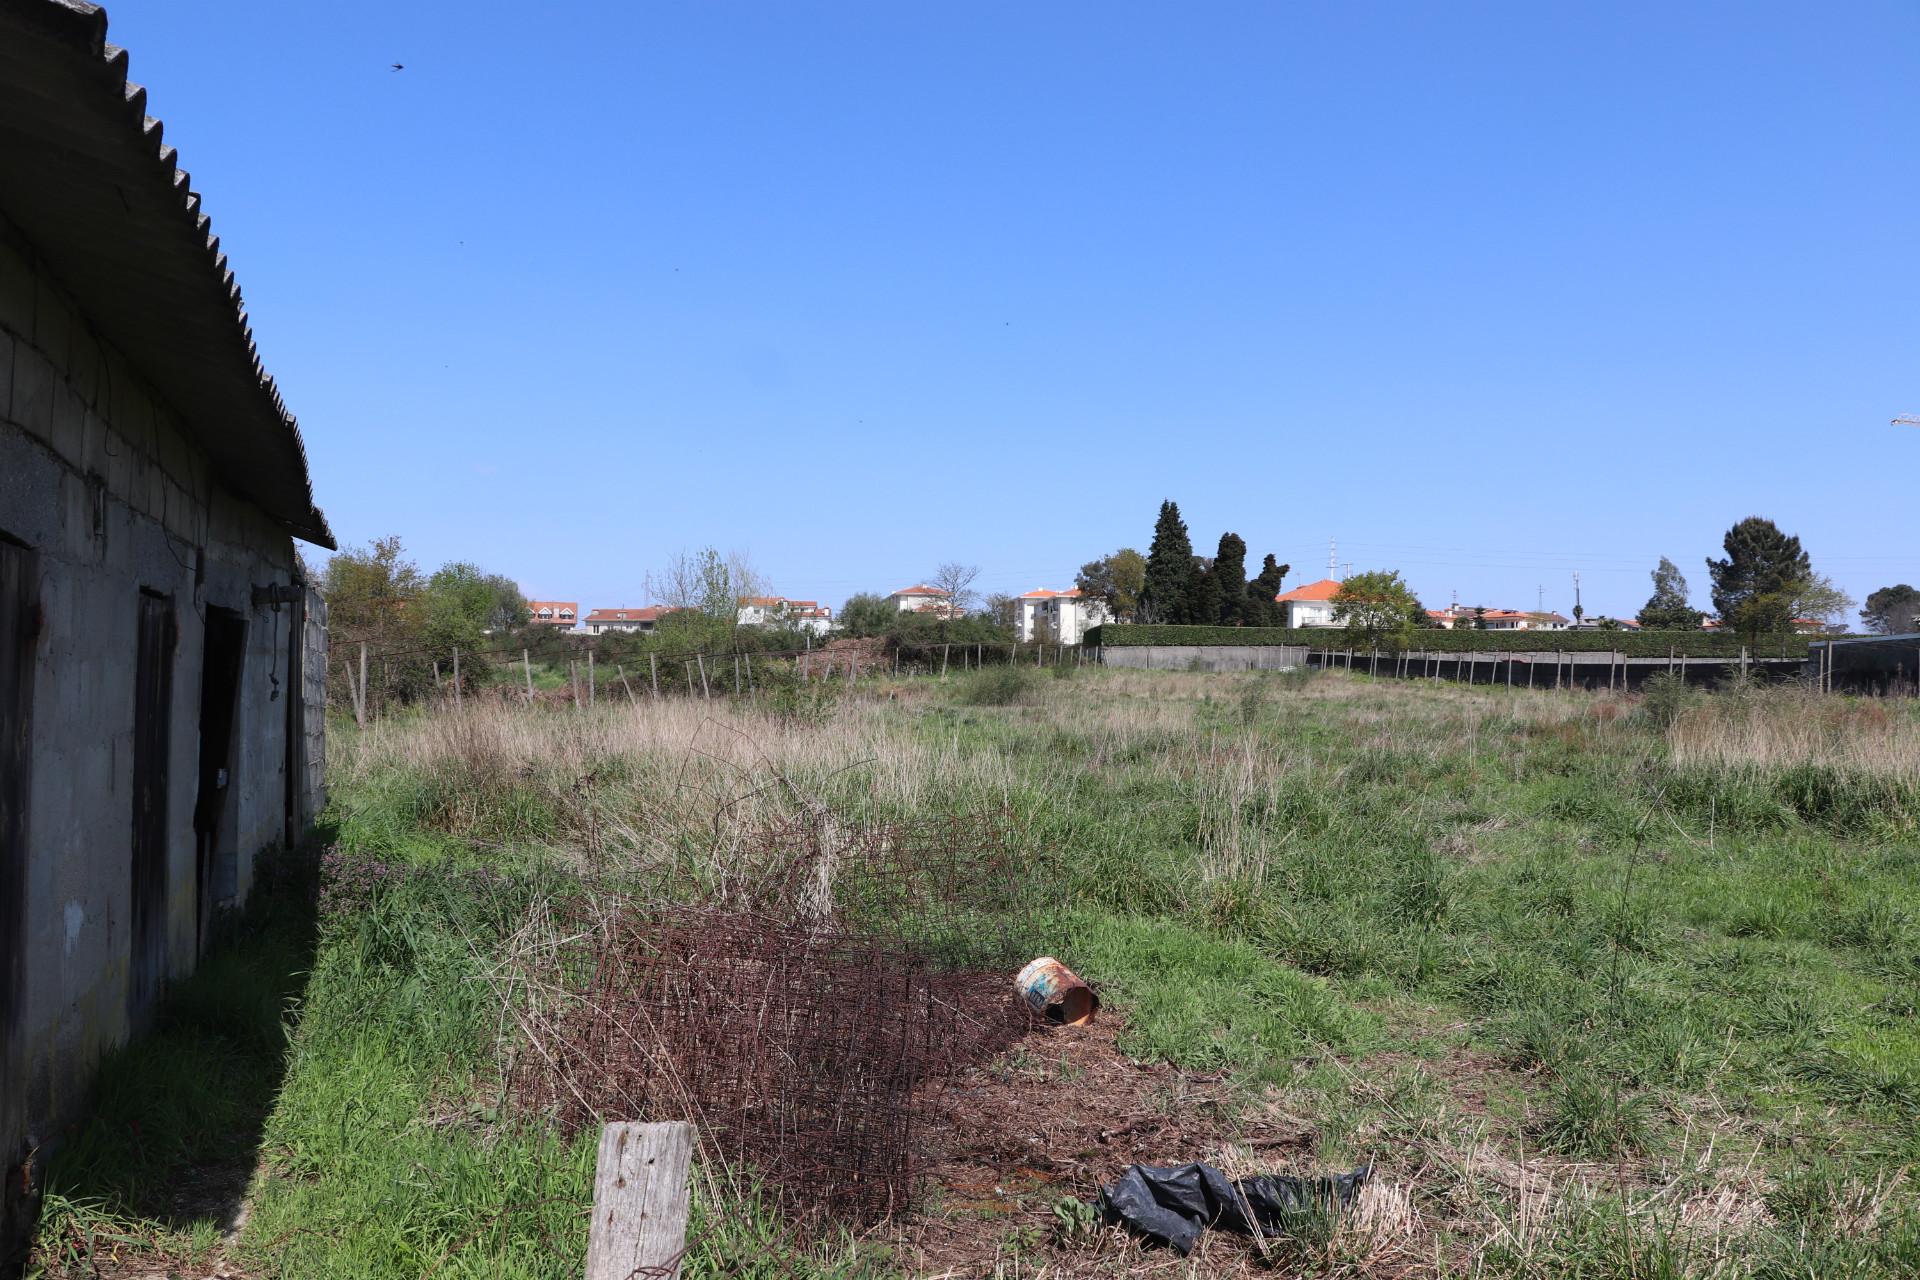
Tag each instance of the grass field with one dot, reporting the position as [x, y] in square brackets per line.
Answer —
[1604, 986]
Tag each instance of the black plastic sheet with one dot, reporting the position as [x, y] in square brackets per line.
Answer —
[1172, 1204]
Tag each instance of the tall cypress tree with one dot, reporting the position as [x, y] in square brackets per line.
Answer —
[1261, 609]
[1230, 572]
[1203, 610]
[1167, 596]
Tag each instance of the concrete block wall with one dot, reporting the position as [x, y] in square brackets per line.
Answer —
[98, 476]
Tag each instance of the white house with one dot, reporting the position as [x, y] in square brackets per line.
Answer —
[924, 599]
[1462, 617]
[778, 611]
[602, 621]
[1308, 606]
[1058, 617]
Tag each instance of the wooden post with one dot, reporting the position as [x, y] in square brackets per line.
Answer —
[621, 670]
[456, 676]
[1509, 668]
[688, 666]
[853, 670]
[736, 675]
[1743, 661]
[436, 677]
[706, 690]
[653, 673]
[360, 699]
[640, 1201]
[750, 693]
[593, 685]
[573, 681]
[943, 660]
[526, 664]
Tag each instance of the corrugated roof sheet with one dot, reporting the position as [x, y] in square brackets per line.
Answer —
[87, 179]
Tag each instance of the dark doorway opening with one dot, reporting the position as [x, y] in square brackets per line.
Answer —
[19, 590]
[215, 869]
[152, 728]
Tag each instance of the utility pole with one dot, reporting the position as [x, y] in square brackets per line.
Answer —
[1578, 612]
[1540, 599]
[1333, 560]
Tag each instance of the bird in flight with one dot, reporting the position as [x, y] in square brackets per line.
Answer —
[399, 66]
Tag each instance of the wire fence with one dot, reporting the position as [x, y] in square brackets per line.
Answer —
[362, 679]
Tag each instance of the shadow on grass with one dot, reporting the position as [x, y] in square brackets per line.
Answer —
[172, 1130]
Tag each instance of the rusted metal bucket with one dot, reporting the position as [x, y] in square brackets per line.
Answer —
[1056, 992]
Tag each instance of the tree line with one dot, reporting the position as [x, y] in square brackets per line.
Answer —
[1171, 585]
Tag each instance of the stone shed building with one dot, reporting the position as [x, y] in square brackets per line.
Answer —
[159, 651]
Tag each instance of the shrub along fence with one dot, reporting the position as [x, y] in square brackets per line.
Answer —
[1632, 644]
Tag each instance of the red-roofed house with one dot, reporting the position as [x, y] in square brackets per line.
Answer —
[1308, 606]
[601, 621]
[554, 613]
[1056, 617]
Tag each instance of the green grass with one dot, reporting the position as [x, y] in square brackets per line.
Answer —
[1427, 920]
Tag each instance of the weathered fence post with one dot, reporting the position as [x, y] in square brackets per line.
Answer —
[943, 660]
[360, 698]
[706, 690]
[593, 685]
[456, 677]
[573, 681]
[653, 673]
[640, 1201]
[622, 670]
[526, 664]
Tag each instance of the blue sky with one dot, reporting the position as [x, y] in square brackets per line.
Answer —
[1487, 292]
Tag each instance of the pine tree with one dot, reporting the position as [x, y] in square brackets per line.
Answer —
[1230, 575]
[1167, 596]
[1667, 609]
[1892, 609]
[1261, 610]
[1756, 586]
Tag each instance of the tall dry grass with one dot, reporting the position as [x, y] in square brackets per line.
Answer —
[1777, 729]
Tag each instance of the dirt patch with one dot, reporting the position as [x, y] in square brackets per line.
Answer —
[1052, 1119]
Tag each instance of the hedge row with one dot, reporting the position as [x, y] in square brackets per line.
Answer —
[1636, 644]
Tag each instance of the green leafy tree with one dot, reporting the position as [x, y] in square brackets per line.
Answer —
[1756, 587]
[1260, 609]
[1230, 577]
[460, 603]
[1892, 610]
[707, 582]
[1115, 581]
[1667, 608]
[1378, 610]
[1479, 617]
[368, 590]
[867, 614]
[1167, 590]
